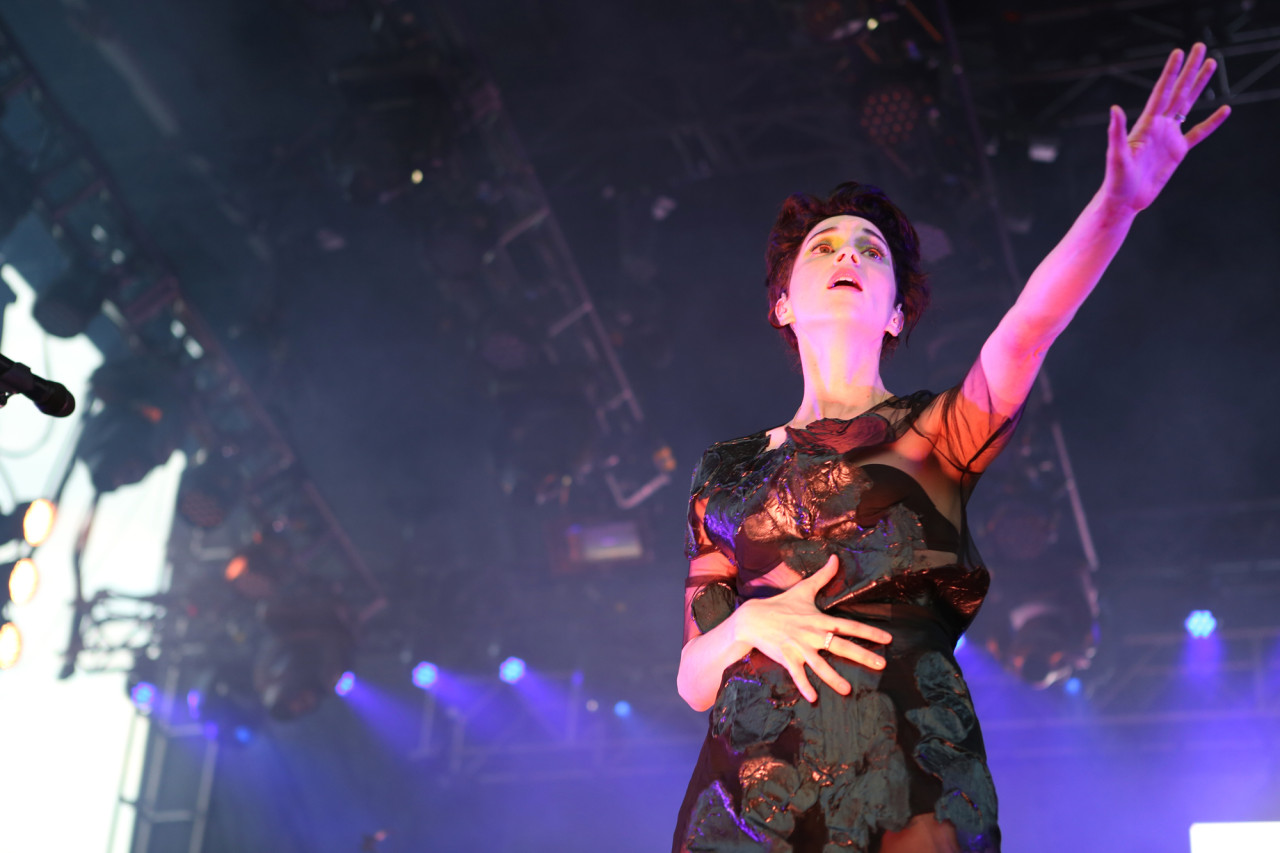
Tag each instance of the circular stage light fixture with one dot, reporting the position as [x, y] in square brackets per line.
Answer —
[24, 580]
[346, 682]
[511, 670]
[10, 645]
[32, 521]
[143, 696]
[37, 521]
[209, 491]
[1200, 624]
[425, 675]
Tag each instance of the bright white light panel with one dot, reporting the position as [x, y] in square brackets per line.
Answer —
[1235, 837]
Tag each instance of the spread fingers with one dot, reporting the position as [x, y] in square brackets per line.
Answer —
[849, 628]
[850, 650]
[801, 678]
[827, 673]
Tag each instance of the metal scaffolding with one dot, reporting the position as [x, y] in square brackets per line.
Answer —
[77, 201]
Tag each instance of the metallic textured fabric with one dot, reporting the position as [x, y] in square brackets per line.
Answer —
[779, 773]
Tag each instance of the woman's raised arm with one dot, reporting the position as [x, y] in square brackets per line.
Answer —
[1139, 164]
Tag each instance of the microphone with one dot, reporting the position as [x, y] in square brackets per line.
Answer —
[50, 397]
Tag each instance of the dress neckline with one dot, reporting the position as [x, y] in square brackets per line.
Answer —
[810, 434]
[873, 410]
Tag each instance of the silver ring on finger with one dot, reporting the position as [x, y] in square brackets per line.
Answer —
[1179, 117]
[826, 644]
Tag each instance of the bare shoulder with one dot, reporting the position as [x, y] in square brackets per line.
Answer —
[776, 436]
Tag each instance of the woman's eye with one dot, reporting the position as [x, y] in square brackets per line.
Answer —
[821, 249]
[873, 252]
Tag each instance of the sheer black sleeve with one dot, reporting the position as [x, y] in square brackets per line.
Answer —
[967, 427]
[710, 594]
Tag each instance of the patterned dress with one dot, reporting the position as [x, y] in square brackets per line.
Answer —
[776, 772]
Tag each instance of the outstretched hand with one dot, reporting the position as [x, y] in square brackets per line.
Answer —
[1140, 162]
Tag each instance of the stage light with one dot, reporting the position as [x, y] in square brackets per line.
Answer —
[140, 683]
[346, 681]
[622, 708]
[208, 491]
[306, 654]
[140, 423]
[143, 696]
[1072, 686]
[511, 670]
[37, 522]
[258, 570]
[10, 645]
[662, 207]
[1042, 149]
[66, 306]
[891, 113]
[604, 543]
[597, 544]
[32, 521]
[425, 675]
[1200, 624]
[1040, 650]
[24, 579]
[1044, 635]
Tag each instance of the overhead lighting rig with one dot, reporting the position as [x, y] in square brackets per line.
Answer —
[139, 417]
[178, 385]
[512, 261]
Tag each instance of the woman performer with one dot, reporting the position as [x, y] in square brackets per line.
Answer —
[838, 542]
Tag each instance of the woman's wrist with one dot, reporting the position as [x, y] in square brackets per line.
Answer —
[743, 626]
[1112, 209]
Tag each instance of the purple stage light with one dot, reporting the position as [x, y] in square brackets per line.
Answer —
[511, 670]
[622, 708]
[194, 700]
[425, 675]
[143, 695]
[1201, 624]
[345, 683]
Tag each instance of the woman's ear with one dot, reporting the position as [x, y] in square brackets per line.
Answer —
[896, 322]
[782, 311]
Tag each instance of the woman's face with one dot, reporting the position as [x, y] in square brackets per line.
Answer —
[843, 274]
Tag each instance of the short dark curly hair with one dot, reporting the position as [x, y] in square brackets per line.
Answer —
[801, 212]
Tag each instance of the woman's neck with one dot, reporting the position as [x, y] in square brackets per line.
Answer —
[841, 379]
